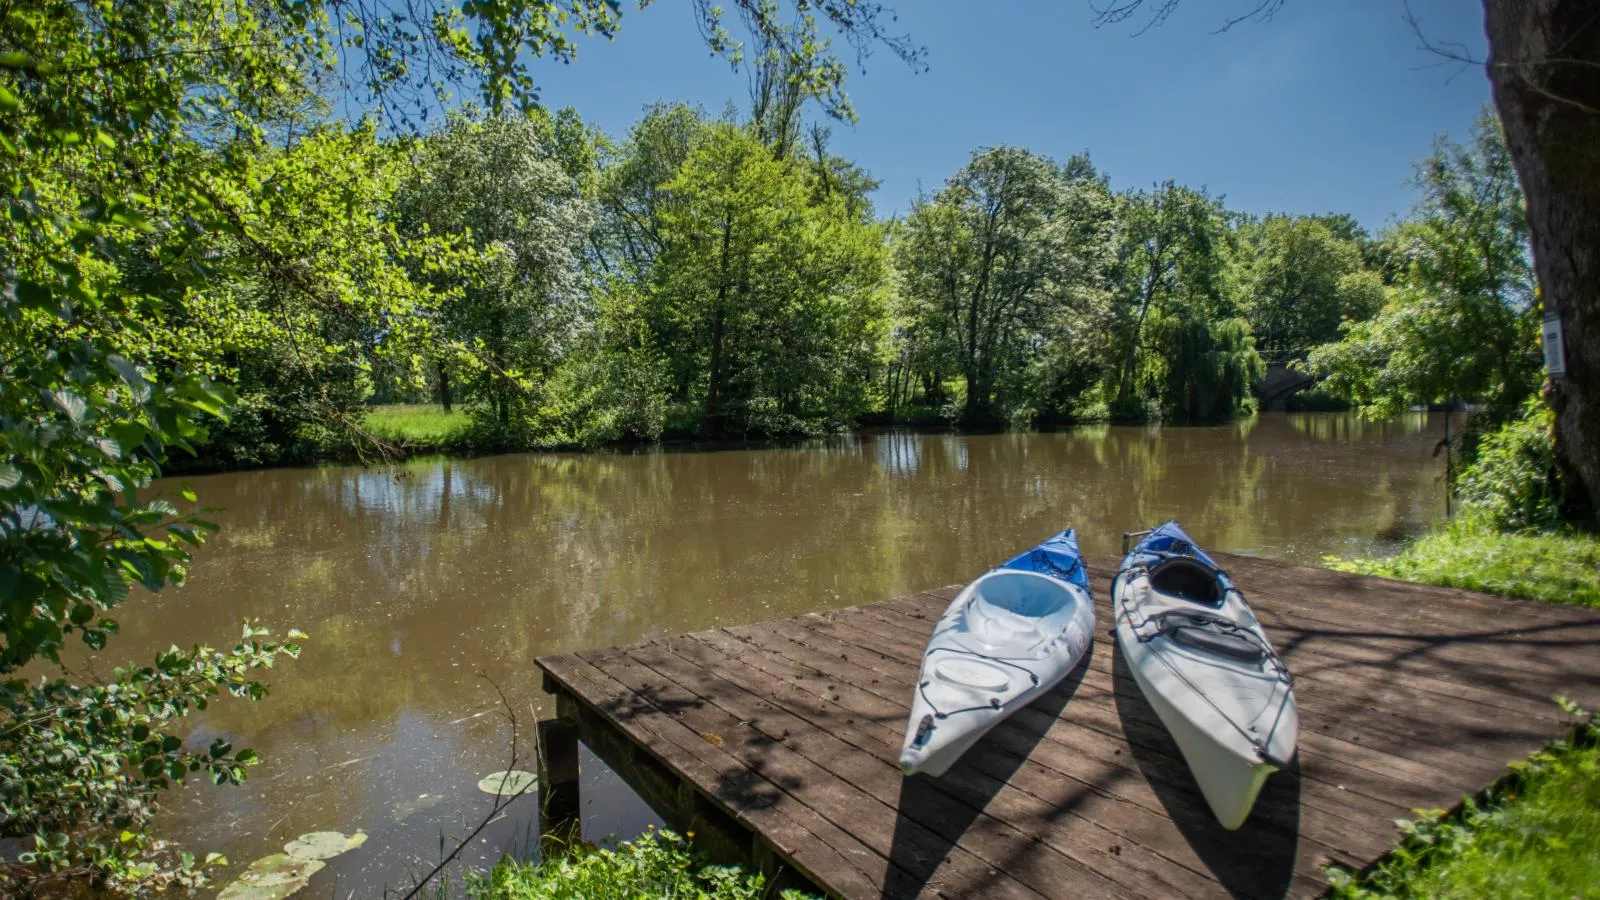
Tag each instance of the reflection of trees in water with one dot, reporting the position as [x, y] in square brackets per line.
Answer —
[1350, 427]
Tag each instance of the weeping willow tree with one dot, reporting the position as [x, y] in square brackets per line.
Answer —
[1209, 366]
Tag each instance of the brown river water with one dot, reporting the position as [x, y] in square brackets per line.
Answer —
[425, 585]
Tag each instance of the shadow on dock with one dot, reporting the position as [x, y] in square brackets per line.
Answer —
[1256, 860]
[935, 813]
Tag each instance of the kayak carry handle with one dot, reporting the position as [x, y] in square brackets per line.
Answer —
[1129, 536]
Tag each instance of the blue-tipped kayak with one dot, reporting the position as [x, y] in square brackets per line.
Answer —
[1008, 637]
[1207, 668]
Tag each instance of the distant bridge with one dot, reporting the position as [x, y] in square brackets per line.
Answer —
[1281, 382]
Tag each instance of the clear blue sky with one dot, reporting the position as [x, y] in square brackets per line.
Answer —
[1324, 108]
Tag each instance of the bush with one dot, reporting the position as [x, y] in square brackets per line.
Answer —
[660, 864]
[1513, 481]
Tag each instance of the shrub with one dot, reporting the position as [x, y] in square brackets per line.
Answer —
[660, 864]
[1513, 481]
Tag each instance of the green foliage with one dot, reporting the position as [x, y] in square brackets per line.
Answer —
[1461, 322]
[517, 188]
[764, 301]
[1536, 834]
[1180, 349]
[1300, 279]
[1513, 481]
[1469, 554]
[660, 864]
[1210, 367]
[81, 766]
[1005, 262]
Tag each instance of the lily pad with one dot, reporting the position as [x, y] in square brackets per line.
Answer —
[240, 890]
[320, 845]
[503, 784]
[356, 840]
[280, 868]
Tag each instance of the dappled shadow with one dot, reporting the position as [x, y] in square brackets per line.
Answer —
[934, 813]
[1257, 860]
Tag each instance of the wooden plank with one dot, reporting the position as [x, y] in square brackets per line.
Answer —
[1383, 777]
[1351, 704]
[1049, 796]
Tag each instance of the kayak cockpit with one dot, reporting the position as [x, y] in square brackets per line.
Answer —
[1186, 578]
[1015, 615]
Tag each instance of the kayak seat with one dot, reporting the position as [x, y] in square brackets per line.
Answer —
[1230, 645]
[1186, 579]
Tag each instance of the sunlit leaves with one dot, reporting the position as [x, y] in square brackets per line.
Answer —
[1461, 323]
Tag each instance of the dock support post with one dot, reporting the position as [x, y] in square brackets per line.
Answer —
[560, 815]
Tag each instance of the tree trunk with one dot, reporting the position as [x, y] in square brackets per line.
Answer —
[444, 388]
[1544, 65]
[713, 421]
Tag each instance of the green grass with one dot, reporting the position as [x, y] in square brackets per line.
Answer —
[418, 424]
[1553, 568]
[1537, 834]
[660, 864]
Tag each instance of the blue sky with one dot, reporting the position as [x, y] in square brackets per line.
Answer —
[1324, 108]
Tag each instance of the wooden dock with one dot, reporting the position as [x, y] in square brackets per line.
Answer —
[777, 743]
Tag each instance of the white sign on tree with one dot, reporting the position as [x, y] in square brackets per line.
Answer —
[1555, 357]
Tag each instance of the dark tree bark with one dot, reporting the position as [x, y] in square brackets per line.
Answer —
[1544, 64]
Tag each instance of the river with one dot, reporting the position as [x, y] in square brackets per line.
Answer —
[427, 585]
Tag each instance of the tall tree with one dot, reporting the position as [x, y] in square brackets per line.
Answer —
[1544, 64]
[1167, 253]
[768, 305]
[991, 255]
[518, 188]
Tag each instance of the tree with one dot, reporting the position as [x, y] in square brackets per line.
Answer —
[767, 305]
[989, 258]
[1544, 66]
[519, 193]
[1167, 255]
[1460, 323]
[1300, 280]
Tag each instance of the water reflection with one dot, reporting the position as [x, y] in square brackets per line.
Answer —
[422, 585]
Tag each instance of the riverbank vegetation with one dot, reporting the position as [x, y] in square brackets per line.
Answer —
[657, 864]
[714, 277]
[726, 276]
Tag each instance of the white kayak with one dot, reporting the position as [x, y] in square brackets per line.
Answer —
[1007, 638]
[1207, 668]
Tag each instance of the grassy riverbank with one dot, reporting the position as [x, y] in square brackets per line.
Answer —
[660, 864]
[1546, 566]
[417, 426]
[1537, 834]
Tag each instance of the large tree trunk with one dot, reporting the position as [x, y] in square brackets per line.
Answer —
[1544, 64]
